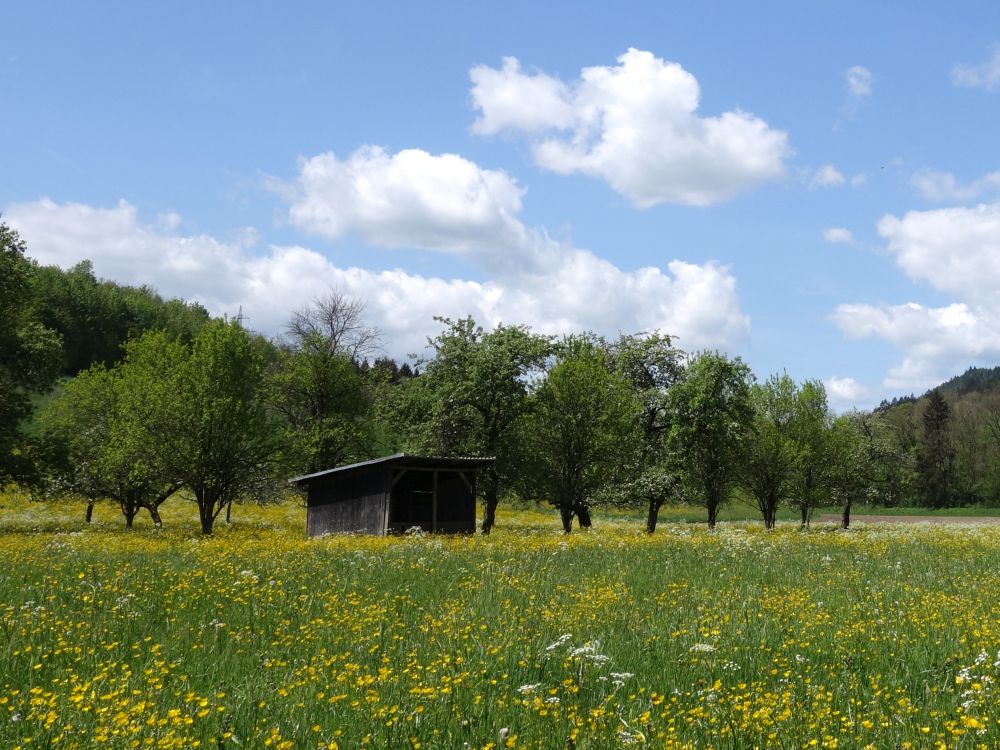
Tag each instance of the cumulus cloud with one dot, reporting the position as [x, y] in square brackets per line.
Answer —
[955, 250]
[985, 76]
[838, 236]
[858, 81]
[934, 185]
[551, 286]
[845, 391]
[936, 341]
[439, 202]
[511, 99]
[635, 125]
[825, 177]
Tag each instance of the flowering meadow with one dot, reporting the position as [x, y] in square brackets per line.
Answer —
[882, 637]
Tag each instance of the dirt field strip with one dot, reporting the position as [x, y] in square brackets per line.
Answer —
[835, 518]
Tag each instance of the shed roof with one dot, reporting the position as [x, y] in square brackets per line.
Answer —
[405, 460]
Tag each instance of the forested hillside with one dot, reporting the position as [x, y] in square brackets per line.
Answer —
[948, 441]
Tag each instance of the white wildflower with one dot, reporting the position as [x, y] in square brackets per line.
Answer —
[559, 642]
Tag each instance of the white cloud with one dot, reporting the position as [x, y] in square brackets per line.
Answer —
[858, 80]
[937, 342]
[826, 176]
[944, 186]
[955, 250]
[508, 98]
[846, 391]
[634, 125]
[551, 286]
[409, 198]
[983, 76]
[838, 236]
[859, 180]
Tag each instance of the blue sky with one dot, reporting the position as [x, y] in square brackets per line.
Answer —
[811, 186]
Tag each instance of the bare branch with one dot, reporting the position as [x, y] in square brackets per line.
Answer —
[338, 321]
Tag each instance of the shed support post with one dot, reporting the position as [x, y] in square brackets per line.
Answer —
[434, 503]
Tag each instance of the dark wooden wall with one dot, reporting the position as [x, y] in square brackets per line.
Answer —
[353, 501]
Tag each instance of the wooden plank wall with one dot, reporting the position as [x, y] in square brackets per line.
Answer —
[352, 502]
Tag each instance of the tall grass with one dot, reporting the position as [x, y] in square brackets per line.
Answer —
[882, 637]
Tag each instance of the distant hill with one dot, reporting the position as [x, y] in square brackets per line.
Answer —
[974, 380]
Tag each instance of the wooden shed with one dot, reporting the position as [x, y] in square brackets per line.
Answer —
[392, 494]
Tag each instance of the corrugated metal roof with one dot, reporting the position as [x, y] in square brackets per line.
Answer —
[407, 459]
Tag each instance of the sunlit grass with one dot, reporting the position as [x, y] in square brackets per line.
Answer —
[883, 637]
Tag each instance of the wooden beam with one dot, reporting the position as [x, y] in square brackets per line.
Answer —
[434, 503]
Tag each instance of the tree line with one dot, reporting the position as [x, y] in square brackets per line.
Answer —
[165, 399]
[947, 442]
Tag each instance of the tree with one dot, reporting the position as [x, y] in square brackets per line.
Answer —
[29, 352]
[650, 365]
[337, 321]
[859, 444]
[767, 471]
[710, 417]
[475, 392]
[810, 434]
[206, 416]
[101, 443]
[582, 429]
[318, 387]
[849, 463]
[936, 454]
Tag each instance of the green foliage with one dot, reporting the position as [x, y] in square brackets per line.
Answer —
[936, 454]
[771, 455]
[101, 450]
[29, 354]
[204, 413]
[811, 435]
[95, 317]
[581, 432]
[324, 402]
[472, 396]
[650, 477]
[710, 420]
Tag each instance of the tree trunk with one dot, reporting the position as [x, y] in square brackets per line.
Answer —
[804, 509]
[154, 514]
[90, 511]
[567, 519]
[845, 521]
[768, 510]
[206, 506]
[583, 516]
[229, 511]
[489, 508]
[713, 511]
[652, 516]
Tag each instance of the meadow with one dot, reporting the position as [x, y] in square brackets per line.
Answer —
[882, 637]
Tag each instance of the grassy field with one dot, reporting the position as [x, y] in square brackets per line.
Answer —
[883, 637]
